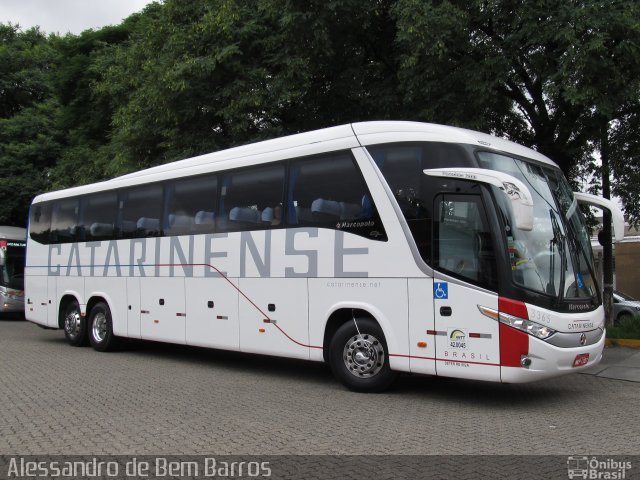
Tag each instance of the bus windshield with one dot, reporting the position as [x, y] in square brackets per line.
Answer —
[555, 257]
[13, 269]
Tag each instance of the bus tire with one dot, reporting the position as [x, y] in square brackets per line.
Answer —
[74, 325]
[101, 328]
[360, 361]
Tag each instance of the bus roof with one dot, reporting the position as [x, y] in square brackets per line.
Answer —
[308, 143]
[12, 233]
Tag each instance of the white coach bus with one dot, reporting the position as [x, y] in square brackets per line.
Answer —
[378, 247]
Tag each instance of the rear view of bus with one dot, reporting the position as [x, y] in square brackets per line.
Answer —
[13, 241]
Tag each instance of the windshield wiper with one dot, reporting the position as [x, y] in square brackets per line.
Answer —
[578, 251]
[558, 241]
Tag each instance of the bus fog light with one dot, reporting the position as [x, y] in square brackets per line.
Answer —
[525, 361]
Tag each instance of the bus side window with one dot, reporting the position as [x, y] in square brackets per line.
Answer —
[64, 221]
[99, 214]
[402, 165]
[328, 191]
[191, 204]
[250, 197]
[40, 222]
[140, 212]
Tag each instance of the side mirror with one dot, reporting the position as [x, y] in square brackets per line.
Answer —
[514, 189]
[617, 216]
[601, 238]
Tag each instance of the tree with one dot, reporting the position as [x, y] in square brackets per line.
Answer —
[85, 115]
[29, 138]
[201, 76]
[569, 71]
[605, 79]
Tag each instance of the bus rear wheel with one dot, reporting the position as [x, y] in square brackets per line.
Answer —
[75, 325]
[101, 328]
[358, 356]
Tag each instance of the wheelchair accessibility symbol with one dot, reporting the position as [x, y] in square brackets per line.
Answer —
[440, 290]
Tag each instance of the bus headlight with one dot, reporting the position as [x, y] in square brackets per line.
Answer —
[532, 328]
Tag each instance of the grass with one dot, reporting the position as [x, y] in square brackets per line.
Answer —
[629, 328]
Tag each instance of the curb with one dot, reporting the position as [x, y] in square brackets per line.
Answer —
[622, 342]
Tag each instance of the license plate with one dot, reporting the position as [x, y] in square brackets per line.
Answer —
[581, 360]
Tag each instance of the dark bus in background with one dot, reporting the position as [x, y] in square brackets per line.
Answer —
[13, 242]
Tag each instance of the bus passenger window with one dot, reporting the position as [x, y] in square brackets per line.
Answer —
[191, 206]
[40, 222]
[330, 192]
[141, 212]
[64, 221]
[99, 215]
[247, 195]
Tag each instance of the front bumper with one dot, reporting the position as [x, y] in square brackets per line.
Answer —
[548, 361]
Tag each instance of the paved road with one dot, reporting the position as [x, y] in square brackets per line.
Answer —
[620, 363]
[162, 399]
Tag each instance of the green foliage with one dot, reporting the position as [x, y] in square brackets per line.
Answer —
[29, 135]
[627, 328]
[86, 115]
[184, 78]
[25, 60]
[625, 156]
[208, 75]
[446, 72]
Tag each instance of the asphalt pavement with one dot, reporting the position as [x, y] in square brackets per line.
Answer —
[618, 363]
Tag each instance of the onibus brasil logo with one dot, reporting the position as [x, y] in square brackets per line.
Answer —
[594, 468]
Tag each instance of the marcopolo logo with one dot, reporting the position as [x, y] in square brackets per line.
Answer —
[594, 468]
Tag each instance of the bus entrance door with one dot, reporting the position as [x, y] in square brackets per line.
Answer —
[466, 341]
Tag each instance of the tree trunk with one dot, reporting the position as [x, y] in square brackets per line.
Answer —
[607, 247]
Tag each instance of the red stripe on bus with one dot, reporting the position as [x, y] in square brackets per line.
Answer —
[513, 345]
[444, 360]
[513, 307]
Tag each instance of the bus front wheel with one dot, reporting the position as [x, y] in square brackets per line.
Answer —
[358, 356]
[101, 328]
[75, 325]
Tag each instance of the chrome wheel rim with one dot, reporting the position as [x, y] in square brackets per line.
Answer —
[363, 356]
[72, 323]
[99, 328]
